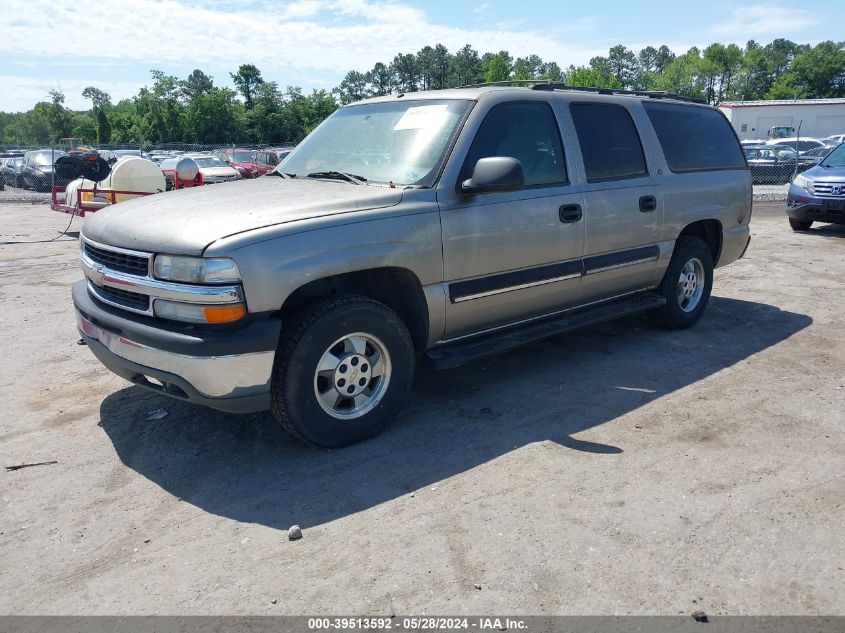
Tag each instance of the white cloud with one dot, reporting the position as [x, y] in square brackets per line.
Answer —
[21, 92]
[760, 20]
[287, 41]
[481, 7]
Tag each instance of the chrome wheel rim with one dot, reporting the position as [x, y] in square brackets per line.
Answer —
[691, 285]
[352, 376]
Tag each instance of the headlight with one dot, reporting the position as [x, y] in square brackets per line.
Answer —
[805, 183]
[194, 313]
[197, 270]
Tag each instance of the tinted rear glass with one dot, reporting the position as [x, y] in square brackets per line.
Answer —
[609, 142]
[694, 138]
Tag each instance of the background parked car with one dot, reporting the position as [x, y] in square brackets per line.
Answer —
[241, 159]
[834, 139]
[214, 169]
[266, 160]
[800, 145]
[816, 155]
[12, 171]
[37, 169]
[774, 164]
[119, 153]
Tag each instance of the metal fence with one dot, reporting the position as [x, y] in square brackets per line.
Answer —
[779, 162]
[30, 169]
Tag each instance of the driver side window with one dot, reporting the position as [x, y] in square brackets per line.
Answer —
[527, 131]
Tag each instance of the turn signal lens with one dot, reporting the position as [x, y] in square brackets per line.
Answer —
[196, 313]
[223, 314]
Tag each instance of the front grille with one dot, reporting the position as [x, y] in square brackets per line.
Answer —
[115, 260]
[124, 297]
[826, 188]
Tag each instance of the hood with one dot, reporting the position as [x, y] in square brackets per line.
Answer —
[186, 221]
[825, 174]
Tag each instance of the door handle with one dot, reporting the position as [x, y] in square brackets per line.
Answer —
[570, 213]
[648, 204]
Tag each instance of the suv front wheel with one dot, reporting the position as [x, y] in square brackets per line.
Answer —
[686, 285]
[343, 369]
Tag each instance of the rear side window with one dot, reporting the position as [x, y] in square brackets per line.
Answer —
[694, 138]
[609, 142]
[527, 131]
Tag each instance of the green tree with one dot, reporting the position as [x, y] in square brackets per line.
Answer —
[101, 102]
[352, 88]
[378, 80]
[405, 72]
[497, 67]
[59, 117]
[531, 67]
[215, 116]
[440, 67]
[552, 72]
[99, 98]
[196, 84]
[815, 72]
[622, 64]
[466, 68]
[425, 66]
[246, 80]
[592, 77]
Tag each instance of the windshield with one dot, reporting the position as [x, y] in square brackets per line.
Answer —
[243, 157]
[46, 158]
[836, 158]
[209, 161]
[403, 142]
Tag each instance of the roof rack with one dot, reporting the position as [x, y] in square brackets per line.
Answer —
[534, 84]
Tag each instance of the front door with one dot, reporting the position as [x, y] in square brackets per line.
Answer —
[516, 255]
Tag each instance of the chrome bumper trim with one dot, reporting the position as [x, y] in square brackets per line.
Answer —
[212, 376]
[99, 275]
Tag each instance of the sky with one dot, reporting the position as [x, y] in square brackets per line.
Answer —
[113, 44]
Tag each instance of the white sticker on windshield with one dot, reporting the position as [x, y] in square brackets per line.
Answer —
[423, 117]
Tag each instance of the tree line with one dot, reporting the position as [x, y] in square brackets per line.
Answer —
[172, 110]
[194, 110]
[781, 69]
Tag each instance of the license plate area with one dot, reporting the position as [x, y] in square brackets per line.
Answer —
[834, 206]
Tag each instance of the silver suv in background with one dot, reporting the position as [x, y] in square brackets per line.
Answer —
[444, 226]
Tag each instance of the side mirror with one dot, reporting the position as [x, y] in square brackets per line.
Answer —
[494, 174]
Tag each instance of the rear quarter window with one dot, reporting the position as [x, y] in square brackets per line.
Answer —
[695, 138]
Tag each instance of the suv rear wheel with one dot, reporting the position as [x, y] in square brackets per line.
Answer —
[686, 285]
[342, 371]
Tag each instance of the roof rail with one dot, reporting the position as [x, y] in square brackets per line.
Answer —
[535, 84]
[652, 94]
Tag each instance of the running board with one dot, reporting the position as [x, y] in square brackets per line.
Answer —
[466, 351]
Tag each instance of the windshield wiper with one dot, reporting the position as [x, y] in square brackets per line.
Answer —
[281, 174]
[338, 175]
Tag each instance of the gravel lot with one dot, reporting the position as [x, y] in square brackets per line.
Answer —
[620, 469]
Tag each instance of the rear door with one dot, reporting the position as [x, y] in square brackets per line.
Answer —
[623, 206]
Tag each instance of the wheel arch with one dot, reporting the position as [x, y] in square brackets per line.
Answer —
[398, 288]
[710, 232]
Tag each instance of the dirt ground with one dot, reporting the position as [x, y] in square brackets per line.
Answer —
[617, 470]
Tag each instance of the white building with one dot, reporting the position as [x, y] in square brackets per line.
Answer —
[818, 118]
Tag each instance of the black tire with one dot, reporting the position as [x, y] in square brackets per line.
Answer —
[672, 315]
[309, 334]
[800, 225]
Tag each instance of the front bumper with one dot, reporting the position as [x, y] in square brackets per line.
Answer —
[802, 205]
[229, 369]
